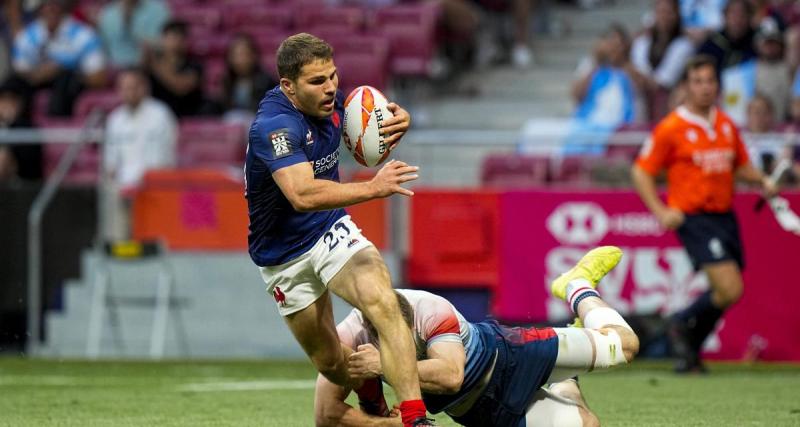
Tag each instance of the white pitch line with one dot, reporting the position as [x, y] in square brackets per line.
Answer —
[250, 385]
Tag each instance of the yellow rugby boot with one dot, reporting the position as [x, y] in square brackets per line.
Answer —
[592, 267]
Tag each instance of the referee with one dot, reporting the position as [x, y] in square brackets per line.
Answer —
[699, 147]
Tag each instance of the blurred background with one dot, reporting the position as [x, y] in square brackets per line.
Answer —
[127, 119]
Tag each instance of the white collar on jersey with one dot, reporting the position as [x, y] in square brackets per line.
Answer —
[708, 126]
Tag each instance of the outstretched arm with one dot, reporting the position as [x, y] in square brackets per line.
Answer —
[330, 408]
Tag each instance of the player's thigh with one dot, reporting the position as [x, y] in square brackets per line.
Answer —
[314, 329]
[549, 409]
[364, 279]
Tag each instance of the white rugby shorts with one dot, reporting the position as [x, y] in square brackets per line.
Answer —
[298, 283]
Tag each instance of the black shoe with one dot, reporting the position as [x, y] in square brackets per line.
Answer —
[424, 422]
[688, 359]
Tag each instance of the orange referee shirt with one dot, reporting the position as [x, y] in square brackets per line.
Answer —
[700, 159]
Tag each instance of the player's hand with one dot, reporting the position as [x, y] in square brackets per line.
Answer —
[670, 218]
[395, 127]
[769, 188]
[365, 363]
[388, 179]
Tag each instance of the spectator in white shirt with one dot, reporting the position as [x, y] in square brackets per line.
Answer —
[660, 54]
[141, 134]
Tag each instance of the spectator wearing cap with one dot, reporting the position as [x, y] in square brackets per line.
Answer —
[734, 44]
[773, 73]
[17, 161]
[175, 77]
[127, 25]
[58, 52]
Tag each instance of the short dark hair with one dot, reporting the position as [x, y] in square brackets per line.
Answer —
[176, 26]
[299, 50]
[699, 61]
[405, 310]
[748, 8]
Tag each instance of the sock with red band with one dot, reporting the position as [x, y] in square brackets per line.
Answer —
[577, 291]
[410, 410]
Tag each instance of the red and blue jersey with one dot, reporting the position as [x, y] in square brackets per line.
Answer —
[282, 136]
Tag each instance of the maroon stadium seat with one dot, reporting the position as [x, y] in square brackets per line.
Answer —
[573, 170]
[201, 19]
[101, 100]
[208, 142]
[85, 170]
[347, 20]
[213, 72]
[246, 16]
[211, 45]
[411, 31]
[515, 170]
[360, 69]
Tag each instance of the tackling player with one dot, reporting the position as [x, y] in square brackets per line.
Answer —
[301, 238]
[486, 374]
[700, 149]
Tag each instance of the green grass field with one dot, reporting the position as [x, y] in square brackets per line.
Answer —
[274, 393]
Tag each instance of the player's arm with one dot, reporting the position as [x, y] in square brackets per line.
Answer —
[307, 194]
[651, 161]
[745, 171]
[441, 373]
[330, 408]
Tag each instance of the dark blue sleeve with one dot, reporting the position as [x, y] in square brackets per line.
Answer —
[277, 142]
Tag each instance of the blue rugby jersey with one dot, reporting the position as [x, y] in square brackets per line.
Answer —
[282, 136]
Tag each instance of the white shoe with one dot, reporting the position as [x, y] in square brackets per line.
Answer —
[521, 56]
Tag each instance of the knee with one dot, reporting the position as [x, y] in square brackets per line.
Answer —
[630, 343]
[589, 418]
[729, 292]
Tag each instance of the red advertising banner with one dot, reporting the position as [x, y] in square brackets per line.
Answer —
[544, 233]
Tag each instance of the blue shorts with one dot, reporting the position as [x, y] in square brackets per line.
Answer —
[525, 359]
[710, 238]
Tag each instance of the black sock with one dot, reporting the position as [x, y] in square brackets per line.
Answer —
[705, 322]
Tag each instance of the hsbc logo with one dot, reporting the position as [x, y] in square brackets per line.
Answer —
[586, 223]
[578, 223]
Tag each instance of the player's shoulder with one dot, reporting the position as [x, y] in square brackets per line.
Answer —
[724, 119]
[673, 121]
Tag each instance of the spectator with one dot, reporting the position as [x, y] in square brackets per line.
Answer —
[660, 55]
[772, 71]
[768, 75]
[22, 161]
[605, 93]
[604, 89]
[140, 135]
[58, 52]
[13, 19]
[244, 82]
[764, 145]
[700, 18]
[734, 44]
[175, 78]
[127, 25]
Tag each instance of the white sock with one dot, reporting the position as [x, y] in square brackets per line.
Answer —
[577, 290]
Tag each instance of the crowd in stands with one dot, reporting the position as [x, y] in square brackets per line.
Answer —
[634, 81]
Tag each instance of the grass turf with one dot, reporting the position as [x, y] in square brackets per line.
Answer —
[276, 393]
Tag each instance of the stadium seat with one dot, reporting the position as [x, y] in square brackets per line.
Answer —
[252, 15]
[101, 100]
[359, 69]
[85, 170]
[514, 171]
[210, 143]
[212, 45]
[201, 19]
[347, 20]
[213, 72]
[573, 170]
[411, 31]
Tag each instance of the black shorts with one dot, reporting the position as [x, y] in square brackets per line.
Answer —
[711, 238]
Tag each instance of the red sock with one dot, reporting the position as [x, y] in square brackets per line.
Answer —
[410, 410]
[370, 397]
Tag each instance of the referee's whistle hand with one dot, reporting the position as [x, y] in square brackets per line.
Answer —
[670, 218]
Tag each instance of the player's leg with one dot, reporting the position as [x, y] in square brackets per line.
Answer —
[364, 282]
[606, 339]
[561, 405]
[315, 331]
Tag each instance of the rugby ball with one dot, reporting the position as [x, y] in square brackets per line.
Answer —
[364, 113]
